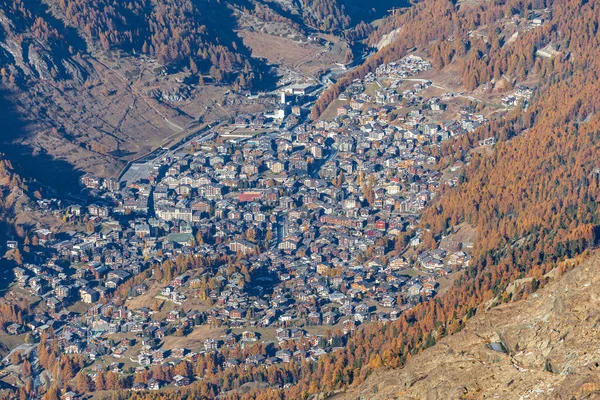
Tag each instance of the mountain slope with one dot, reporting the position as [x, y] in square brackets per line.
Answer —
[72, 105]
[546, 347]
[87, 86]
[533, 202]
[175, 32]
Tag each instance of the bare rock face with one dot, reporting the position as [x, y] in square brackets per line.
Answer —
[41, 62]
[546, 346]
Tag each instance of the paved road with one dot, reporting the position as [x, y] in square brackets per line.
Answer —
[25, 348]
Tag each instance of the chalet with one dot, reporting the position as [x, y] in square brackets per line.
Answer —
[173, 315]
[388, 302]
[158, 357]
[90, 181]
[237, 313]
[284, 355]
[255, 360]
[348, 326]
[297, 333]
[289, 243]
[230, 363]
[343, 110]
[329, 318]
[98, 211]
[44, 235]
[88, 295]
[282, 334]
[14, 329]
[357, 104]
[153, 384]
[299, 356]
[249, 336]
[277, 166]
[19, 272]
[398, 263]
[211, 344]
[179, 380]
[314, 318]
[179, 281]
[230, 339]
[241, 245]
[414, 290]
[178, 352]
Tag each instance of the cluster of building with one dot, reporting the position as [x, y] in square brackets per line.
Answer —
[321, 220]
[521, 95]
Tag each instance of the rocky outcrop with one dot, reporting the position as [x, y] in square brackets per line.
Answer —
[388, 38]
[547, 346]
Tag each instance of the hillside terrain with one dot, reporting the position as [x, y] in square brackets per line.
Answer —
[542, 347]
[91, 85]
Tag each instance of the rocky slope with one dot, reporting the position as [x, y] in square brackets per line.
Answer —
[88, 86]
[546, 346]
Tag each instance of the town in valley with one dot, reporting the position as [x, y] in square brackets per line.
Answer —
[263, 239]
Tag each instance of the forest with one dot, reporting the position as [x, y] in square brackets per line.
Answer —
[179, 34]
[199, 34]
[175, 32]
